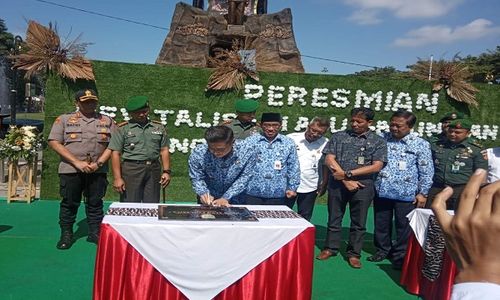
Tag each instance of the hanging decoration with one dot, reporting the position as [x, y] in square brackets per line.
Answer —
[46, 53]
[450, 75]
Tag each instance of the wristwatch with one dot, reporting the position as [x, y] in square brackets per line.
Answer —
[348, 174]
[100, 164]
[168, 171]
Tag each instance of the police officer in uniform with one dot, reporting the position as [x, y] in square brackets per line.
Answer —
[137, 147]
[243, 125]
[456, 157]
[81, 138]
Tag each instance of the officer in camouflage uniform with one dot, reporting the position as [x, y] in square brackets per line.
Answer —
[81, 138]
[137, 147]
[244, 126]
[456, 157]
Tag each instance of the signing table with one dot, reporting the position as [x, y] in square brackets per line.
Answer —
[141, 257]
[412, 277]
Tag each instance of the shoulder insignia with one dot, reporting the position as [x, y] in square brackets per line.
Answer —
[226, 122]
[156, 122]
[122, 124]
[476, 143]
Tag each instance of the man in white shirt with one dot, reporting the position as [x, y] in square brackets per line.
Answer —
[309, 150]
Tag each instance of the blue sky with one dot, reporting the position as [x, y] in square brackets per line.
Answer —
[371, 32]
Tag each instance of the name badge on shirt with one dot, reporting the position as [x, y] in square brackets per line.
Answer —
[361, 160]
[315, 162]
[277, 165]
[402, 165]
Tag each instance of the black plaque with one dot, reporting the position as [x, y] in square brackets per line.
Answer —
[204, 213]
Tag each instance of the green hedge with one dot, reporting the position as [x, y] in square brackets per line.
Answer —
[177, 88]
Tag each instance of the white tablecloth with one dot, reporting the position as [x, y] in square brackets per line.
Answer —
[419, 219]
[202, 258]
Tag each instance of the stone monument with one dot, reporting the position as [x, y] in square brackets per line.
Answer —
[196, 33]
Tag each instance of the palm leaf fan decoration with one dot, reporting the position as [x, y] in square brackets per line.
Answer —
[46, 54]
[230, 72]
[450, 75]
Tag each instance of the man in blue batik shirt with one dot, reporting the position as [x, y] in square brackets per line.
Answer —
[277, 172]
[401, 186]
[220, 169]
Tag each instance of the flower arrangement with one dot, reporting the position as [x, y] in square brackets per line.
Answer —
[23, 142]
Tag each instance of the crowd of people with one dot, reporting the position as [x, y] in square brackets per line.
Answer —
[252, 163]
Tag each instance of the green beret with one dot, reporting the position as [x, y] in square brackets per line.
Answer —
[452, 116]
[136, 102]
[246, 105]
[461, 124]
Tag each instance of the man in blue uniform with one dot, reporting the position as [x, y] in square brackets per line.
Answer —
[402, 185]
[220, 170]
[276, 174]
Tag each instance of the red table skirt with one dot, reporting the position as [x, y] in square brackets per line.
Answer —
[122, 273]
[415, 282]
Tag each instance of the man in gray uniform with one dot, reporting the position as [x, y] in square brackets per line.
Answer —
[81, 138]
[140, 142]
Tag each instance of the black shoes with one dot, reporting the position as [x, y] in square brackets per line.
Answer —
[93, 237]
[66, 240]
[377, 257]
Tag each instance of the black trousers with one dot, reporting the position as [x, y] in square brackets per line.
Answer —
[142, 182]
[305, 204]
[387, 210]
[251, 200]
[359, 202]
[452, 203]
[72, 187]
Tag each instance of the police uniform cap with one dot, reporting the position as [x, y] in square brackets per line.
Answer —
[461, 124]
[270, 117]
[246, 105]
[87, 94]
[452, 116]
[136, 102]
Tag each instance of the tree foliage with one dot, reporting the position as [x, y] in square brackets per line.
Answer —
[387, 71]
[6, 39]
[485, 66]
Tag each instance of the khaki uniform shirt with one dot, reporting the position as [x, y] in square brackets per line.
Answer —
[139, 142]
[81, 136]
[455, 163]
[240, 130]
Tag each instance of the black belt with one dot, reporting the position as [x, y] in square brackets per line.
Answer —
[141, 162]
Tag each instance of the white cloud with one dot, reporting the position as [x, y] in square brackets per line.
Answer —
[444, 34]
[365, 17]
[370, 9]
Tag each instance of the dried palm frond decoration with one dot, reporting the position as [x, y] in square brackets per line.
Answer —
[230, 72]
[46, 54]
[450, 75]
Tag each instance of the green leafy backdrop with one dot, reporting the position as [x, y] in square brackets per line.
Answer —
[177, 88]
